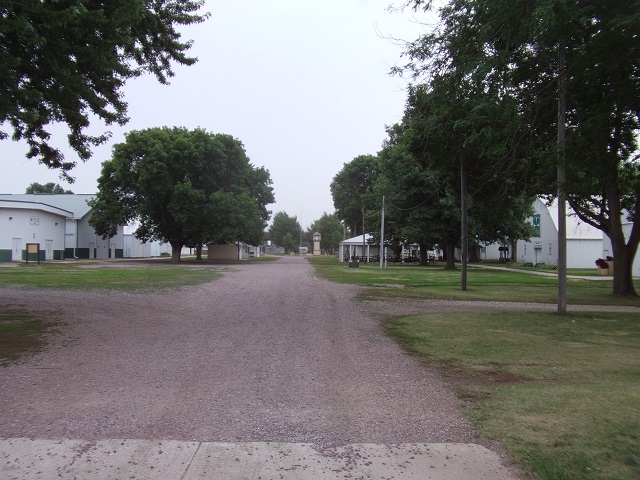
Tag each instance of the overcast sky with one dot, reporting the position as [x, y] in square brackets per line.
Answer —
[304, 85]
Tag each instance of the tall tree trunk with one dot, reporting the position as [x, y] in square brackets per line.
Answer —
[622, 270]
[423, 254]
[474, 255]
[623, 251]
[514, 250]
[199, 251]
[176, 248]
[464, 251]
[450, 255]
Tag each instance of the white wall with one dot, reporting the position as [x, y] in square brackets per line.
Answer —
[583, 253]
[87, 238]
[548, 240]
[31, 226]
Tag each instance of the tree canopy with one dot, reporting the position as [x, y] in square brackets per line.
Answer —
[352, 189]
[510, 51]
[63, 62]
[285, 231]
[183, 187]
[46, 188]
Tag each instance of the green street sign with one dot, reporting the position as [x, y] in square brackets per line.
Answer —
[536, 224]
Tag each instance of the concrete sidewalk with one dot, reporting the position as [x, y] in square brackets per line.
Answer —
[26, 459]
[542, 274]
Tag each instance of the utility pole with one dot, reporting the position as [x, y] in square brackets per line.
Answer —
[562, 195]
[382, 236]
[364, 258]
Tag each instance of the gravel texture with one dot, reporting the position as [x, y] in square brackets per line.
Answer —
[266, 353]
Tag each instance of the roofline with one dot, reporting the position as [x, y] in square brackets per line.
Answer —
[50, 208]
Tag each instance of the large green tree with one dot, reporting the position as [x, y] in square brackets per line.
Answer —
[285, 231]
[67, 61]
[422, 187]
[182, 187]
[352, 190]
[421, 203]
[49, 187]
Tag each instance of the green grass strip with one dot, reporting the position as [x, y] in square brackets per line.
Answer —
[148, 276]
[562, 394]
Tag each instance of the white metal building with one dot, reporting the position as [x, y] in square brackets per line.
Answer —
[59, 224]
[585, 243]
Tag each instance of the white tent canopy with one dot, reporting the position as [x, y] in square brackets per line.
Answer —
[353, 248]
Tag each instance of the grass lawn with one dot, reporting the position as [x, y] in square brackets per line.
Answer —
[562, 394]
[86, 276]
[20, 332]
[414, 281]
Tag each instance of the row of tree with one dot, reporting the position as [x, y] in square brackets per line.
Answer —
[286, 232]
[505, 95]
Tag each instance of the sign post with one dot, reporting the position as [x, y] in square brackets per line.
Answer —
[33, 248]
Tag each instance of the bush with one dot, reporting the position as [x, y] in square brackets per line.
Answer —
[541, 265]
[602, 263]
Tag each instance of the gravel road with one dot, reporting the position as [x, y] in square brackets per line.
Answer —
[268, 353]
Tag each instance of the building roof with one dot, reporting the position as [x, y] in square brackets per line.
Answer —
[356, 240]
[75, 204]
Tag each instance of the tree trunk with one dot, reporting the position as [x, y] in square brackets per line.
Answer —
[450, 255]
[464, 214]
[623, 252]
[514, 250]
[176, 248]
[199, 252]
[622, 272]
[423, 255]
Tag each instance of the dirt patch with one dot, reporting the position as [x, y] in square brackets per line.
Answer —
[22, 333]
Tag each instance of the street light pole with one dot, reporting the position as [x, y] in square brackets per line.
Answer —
[382, 237]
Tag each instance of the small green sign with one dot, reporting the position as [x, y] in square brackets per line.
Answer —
[536, 224]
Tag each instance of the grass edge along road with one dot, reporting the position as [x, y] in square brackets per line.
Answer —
[560, 393]
[434, 282]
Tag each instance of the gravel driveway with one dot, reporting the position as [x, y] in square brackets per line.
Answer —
[268, 353]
